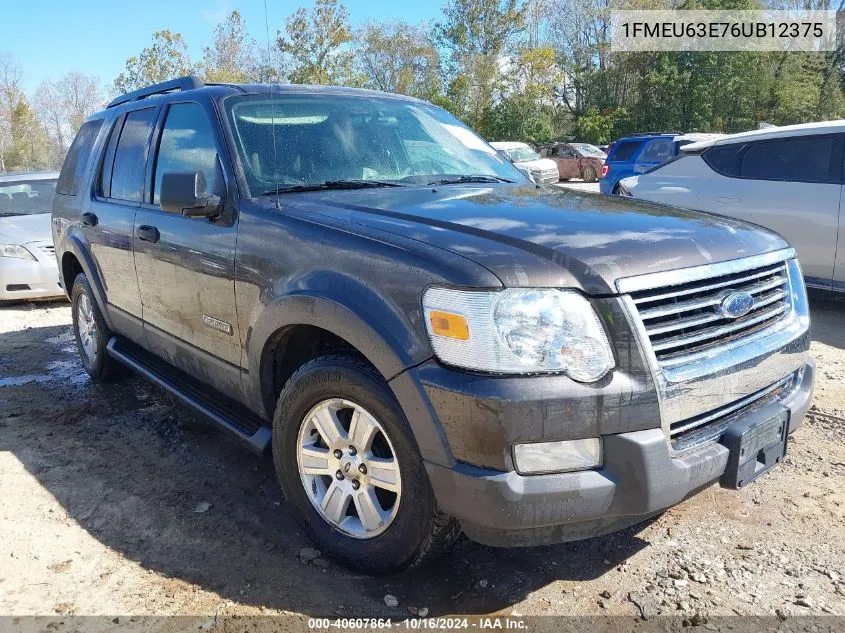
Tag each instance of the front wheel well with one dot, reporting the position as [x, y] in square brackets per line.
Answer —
[289, 349]
[70, 269]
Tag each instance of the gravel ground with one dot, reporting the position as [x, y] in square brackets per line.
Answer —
[114, 500]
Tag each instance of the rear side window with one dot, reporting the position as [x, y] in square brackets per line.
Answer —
[724, 159]
[657, 151]
[798, 159]
[77, 158]
[130, 159]
[624, 151]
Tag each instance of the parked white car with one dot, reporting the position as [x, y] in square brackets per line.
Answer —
[542, 170]
[28, 268]
[788, 179]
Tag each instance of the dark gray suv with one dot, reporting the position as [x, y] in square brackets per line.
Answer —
[427, 341]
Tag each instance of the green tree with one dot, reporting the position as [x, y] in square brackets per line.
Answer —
[398, 57]
[315, 46]
[167, 58]
[31, 148]
[477, 34]
[232, 57]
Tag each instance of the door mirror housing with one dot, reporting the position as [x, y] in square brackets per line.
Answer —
[187, 193]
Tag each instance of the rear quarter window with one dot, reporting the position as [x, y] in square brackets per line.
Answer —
[624, 151]
[724, 159]
[77, 158]
[657, 151]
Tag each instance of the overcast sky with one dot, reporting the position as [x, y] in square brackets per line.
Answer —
[52, 37]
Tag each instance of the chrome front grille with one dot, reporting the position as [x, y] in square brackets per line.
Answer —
[710, 426]
[687, 318]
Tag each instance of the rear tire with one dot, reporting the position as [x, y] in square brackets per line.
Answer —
[91, 333]
[589, 175]
[334, 474]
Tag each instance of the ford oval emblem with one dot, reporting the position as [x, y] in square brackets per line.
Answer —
[736, 304]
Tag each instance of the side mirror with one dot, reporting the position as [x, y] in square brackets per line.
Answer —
[187, 193]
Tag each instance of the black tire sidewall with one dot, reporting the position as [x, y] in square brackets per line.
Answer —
[332, 377]
[98, 368]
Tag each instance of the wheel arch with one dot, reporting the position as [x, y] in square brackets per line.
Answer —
[339, 327]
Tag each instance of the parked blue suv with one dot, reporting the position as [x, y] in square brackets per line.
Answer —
[638, 153]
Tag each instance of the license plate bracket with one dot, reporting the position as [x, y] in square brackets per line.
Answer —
[756, 446]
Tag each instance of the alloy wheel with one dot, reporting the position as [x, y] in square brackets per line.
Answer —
[348, 468]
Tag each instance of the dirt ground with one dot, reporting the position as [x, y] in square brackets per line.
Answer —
[116, 501]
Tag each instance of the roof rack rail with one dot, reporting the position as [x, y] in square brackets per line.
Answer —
[189, 82]
[657, 133]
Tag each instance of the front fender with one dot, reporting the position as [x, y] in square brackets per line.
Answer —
[366, 322]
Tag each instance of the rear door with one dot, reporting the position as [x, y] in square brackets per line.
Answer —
[186, 265]
[790, 185]
[109, 217]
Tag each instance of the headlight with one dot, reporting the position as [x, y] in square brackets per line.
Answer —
[518, 331]
[14, 250]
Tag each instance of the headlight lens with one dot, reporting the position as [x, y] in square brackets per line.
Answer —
[518, 331]
[15, 250]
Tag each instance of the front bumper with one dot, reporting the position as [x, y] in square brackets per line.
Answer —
[640, 477]
[28, 279]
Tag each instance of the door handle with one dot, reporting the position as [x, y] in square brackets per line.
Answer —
[89, 219]
[148, 233]
[727, 199]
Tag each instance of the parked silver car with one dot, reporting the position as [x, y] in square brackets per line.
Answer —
[28, 268]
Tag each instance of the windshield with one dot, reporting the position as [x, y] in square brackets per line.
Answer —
[522, 154]
[26, 197]
[589, 150]
[337, 138]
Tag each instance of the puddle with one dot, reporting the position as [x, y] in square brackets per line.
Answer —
[66, 371]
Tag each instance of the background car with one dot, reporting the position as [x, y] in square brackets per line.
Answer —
[575, 160]
[542, 170]
[788, 179]
[638, 153]
[28, 268]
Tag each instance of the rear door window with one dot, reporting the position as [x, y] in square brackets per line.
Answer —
[624, 151]
[77, 158]
[130, 158]
[796, 159]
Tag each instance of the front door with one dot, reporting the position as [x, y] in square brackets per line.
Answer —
[568, 163]
[185, 265]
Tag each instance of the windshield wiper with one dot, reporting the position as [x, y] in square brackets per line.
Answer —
[10, 215]
[332, 184]
[474, 178]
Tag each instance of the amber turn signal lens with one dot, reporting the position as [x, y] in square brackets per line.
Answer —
[449, 325]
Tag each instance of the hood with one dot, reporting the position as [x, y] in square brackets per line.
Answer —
[548, 236]
[538, 164]
[22, 229]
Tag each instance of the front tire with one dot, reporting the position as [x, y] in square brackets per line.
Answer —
[589, 175]
[350, 468]
[91, 333]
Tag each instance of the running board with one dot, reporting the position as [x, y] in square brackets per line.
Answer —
[223, 412]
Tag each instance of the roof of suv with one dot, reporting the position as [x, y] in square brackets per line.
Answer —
[821, 127]
[190, 84]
